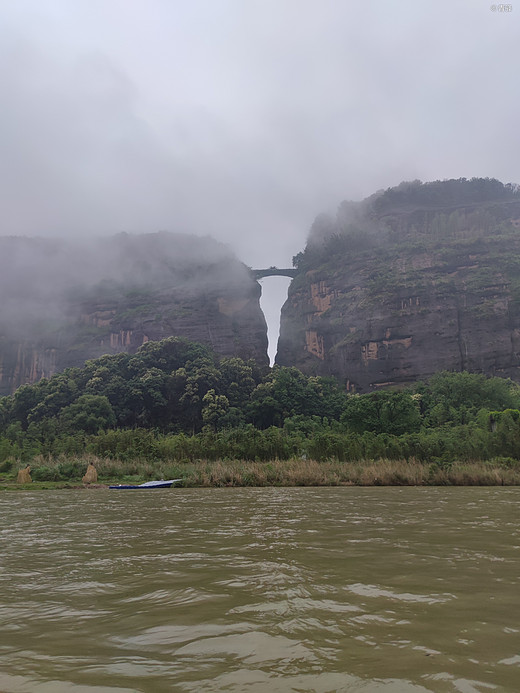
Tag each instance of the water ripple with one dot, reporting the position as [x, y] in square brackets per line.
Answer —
[397, 590]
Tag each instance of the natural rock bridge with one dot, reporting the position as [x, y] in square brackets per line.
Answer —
[273, 272]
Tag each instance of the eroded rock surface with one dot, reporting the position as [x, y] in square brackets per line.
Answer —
[394, 290]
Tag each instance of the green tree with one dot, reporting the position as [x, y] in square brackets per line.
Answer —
[382, 412]
[214, 408]
[456, 398]
[90, 413]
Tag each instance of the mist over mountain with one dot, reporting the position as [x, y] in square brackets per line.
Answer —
[64, 301]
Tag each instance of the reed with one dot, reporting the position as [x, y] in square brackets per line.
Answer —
[293, 472]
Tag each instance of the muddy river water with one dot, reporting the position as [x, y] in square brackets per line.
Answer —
[256, 590]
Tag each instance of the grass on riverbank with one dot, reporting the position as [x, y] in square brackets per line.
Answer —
[67, 473]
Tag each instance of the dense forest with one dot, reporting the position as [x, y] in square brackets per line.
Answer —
[176, 400]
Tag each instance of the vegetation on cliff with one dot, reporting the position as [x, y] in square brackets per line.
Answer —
[177, 403]
[412, 211]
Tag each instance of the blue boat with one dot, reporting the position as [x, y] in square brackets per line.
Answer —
[149, 484]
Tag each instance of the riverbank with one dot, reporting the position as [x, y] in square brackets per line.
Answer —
[68, 473]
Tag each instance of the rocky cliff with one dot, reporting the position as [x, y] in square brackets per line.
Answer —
[63, 303]
[416, 279]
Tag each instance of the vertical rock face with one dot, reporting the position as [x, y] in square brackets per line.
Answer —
[419, 279]
[64, 304]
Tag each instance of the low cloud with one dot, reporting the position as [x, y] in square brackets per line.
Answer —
[243, 120]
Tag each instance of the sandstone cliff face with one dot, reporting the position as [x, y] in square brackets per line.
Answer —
[422, 290]
[60, 308]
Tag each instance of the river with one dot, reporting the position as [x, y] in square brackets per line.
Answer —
[260, 590]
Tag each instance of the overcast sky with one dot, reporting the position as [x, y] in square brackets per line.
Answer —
[244, 119]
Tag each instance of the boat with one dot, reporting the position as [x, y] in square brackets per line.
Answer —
[149, 484]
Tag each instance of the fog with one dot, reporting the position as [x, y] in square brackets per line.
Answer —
[244, 119]
[39, 278]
